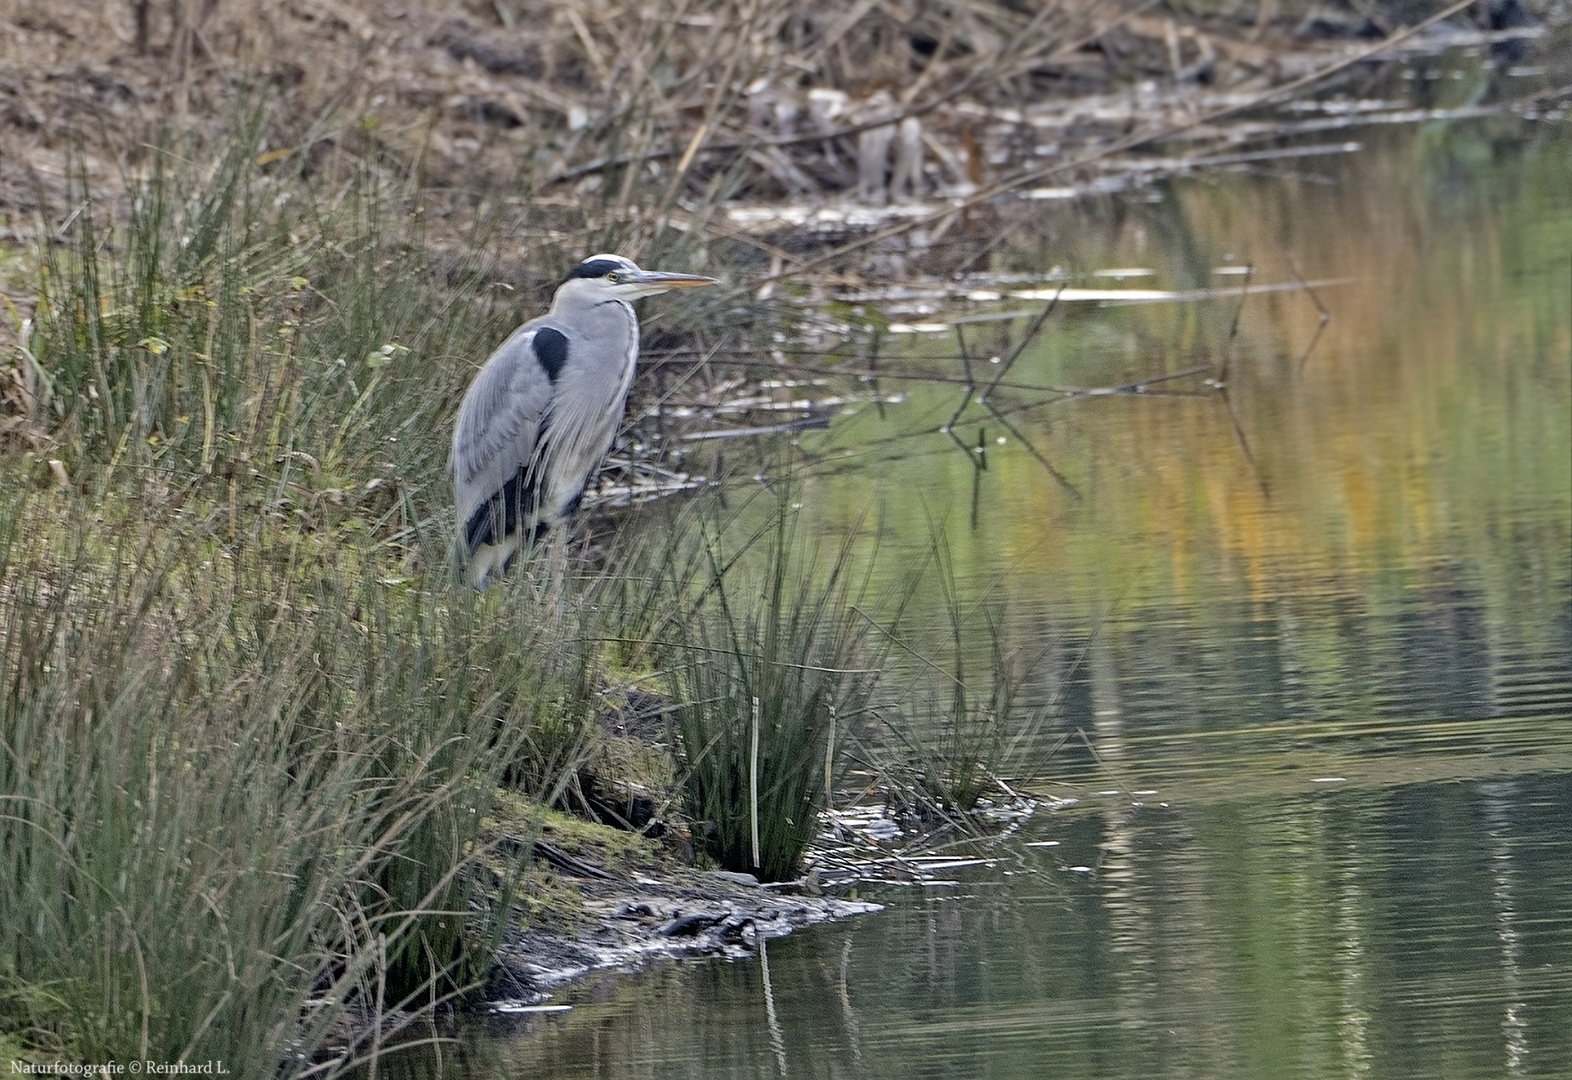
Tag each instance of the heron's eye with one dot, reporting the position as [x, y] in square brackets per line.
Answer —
[612, 277]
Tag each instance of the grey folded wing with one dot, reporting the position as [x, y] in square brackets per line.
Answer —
[496, 440]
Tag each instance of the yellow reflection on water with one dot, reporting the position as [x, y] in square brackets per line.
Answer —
[1429, 423]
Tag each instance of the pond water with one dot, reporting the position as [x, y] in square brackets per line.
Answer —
[1310, 637]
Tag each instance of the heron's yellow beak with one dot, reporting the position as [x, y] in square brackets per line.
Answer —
[651, 282]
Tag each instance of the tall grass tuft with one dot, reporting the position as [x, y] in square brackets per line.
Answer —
[772, 663]
[955, 728]
[227, 326]
[216, 811]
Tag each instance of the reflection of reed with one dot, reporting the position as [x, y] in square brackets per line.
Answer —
[1348, 957]
[1500, 800]
[777, 1038]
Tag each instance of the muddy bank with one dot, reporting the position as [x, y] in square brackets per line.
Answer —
[632, 920]
[596, 898]
[630, 901]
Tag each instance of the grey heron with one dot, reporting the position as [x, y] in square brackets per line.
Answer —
[543, 410]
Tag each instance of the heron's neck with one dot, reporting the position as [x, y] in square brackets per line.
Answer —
[612, 309]
[609, 326]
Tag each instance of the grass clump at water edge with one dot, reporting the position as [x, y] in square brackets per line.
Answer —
[772, 665]
[213, 815]
[954, 721]
[789, 669]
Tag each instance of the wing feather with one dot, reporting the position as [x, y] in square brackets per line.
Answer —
[499, 427]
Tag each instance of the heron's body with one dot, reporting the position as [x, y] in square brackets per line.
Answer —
[541, 414]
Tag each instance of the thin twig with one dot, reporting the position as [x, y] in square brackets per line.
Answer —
[1233, 331]
[1026, 339]
[1326, 316]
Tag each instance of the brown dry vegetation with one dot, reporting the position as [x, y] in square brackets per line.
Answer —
[480, 88]
[758, 99]
[579, 125]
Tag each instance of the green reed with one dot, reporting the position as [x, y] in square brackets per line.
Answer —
[773, 661]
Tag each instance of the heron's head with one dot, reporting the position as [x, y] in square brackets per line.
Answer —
[611, 277]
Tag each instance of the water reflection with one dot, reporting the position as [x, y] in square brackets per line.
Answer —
[1316, 631]
[1342, 933]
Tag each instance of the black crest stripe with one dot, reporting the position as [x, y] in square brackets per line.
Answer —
[595, 268]
[551, 351]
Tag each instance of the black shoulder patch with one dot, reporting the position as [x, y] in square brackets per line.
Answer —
[551, 351]
[594, 268]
